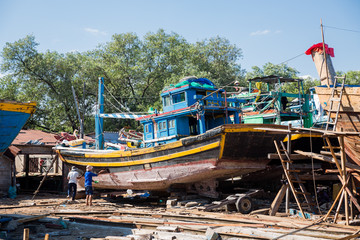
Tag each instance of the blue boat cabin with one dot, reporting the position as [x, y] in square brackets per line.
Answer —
[190, 108]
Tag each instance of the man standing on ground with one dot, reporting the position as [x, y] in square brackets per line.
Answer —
[73, 176]
[88, 184]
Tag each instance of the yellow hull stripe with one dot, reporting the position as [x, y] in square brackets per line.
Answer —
[231, 130]
[222, 145]
[298, 136]
[145, 161]
[18, 107]
[141, 151]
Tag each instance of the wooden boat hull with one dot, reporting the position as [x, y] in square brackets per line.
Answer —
[349, 116]
[13, 116]
[223, 152]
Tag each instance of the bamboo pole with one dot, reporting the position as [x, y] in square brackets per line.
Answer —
[338, 207]
[343, 166]
[335, 201]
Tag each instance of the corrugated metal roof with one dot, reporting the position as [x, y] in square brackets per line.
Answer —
[27, 135]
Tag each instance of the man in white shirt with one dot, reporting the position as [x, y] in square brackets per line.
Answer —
[73, 176]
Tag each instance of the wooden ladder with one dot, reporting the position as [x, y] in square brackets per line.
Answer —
[333, 99]
[296, 185]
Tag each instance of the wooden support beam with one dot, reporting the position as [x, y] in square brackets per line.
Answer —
[352, 198]
[344, 175]
[329, 153]
[278, 200]
[32, 218]
[292, 156]
[327, 159]
[336, 199]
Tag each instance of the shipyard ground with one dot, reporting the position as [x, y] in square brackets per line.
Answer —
[121, 218]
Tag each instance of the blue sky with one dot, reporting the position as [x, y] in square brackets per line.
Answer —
[266, 31]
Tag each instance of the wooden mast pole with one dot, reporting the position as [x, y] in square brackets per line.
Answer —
[324, 52]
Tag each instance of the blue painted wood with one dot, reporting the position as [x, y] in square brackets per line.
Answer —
[10, 125]
[99, 121]
[192, 112]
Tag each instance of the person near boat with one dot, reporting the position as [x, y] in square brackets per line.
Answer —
[88, 184]
[73, 177]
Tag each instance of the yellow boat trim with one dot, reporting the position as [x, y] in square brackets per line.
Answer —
[18, 107]
[231, 130]
[150, 160]
[122, 153]
[222, 145]
[302, 135]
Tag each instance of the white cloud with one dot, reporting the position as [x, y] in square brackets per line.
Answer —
[94, 31]
[263, 32]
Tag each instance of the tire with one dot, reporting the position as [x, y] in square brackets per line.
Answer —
[244, 205]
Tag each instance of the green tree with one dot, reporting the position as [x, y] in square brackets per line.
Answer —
[353, 77]
[281, 70]
[45, 78]
[135, 72]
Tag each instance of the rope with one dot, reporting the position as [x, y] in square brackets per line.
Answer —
[113, 105]
[313, 174]
[128, 110]
[291, 58]
[343, 29]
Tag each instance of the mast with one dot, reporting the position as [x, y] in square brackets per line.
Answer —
[321, 55]
[324, 52]
[99, 121]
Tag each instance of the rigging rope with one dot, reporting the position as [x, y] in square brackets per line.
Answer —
[128, 110]
[343, 29]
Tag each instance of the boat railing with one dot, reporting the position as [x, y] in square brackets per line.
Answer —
[214, 101]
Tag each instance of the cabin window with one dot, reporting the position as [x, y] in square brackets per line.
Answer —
[162, 125]
[171, 123]
[148, 128]
[180, 97]
[166, 101]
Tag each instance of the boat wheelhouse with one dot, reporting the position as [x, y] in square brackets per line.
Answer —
[190, 108]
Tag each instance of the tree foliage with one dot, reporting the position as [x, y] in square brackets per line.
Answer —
[135, 72]
[282, 70]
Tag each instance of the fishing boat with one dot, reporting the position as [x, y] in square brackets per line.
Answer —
[265, 101]
[13, 116]
[198, 138]
[348, 119]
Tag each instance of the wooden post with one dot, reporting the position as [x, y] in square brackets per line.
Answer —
[338, 207]
[343, 166]
[288, 146]
[278, 199]
[26, 234]
[335, 201]
[27, 163]
[57, 164]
